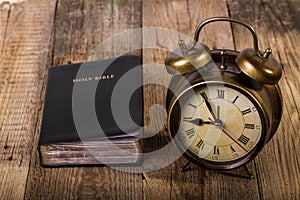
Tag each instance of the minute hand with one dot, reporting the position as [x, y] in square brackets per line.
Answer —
[209, 107]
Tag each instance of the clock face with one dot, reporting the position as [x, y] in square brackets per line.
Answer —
[219, 124]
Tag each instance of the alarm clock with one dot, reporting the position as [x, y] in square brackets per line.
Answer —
[223, 105]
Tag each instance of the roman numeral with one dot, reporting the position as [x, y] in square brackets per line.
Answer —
[235, 99]
[216, 150]
[192, 105]
[246, 111]
[221, 94]
[232, 149]
[190, 133]
[249, 126]
[200, 143]
[243, 139]
[187, 118]
[203, 94]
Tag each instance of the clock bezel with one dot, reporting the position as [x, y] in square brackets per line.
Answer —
[208, 163]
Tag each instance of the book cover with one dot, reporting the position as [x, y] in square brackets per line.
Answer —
[82, 97]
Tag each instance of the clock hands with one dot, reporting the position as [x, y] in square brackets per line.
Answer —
[198, 121]
[218, 112]
[208, 106]
[215, 121]
[225, 132]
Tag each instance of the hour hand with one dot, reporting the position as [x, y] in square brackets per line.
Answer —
[198, 121]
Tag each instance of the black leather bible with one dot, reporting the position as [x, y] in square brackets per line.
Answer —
[93, 113]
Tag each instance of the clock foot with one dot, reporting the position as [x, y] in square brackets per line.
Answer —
[185, 166]
[249, 173]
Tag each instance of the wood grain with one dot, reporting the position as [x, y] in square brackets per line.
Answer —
[24, 40]
[4, 16]
[79, 27]
[278, 166]
[35, 35]
[184, 16]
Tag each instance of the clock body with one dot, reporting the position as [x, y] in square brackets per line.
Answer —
[218, 116]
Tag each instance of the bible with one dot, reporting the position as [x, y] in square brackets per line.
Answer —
[93, 113]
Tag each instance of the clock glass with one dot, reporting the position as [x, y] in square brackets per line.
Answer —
[217, 123]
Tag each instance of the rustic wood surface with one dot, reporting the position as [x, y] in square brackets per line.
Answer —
[37, 34]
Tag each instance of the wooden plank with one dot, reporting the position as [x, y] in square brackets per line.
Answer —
[25, 35]
[277, 25]
[4, 16]
[169, 182]
[79, 27]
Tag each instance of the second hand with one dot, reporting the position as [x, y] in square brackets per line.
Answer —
[229, 136]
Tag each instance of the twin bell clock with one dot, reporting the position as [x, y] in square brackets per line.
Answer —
[223, 105]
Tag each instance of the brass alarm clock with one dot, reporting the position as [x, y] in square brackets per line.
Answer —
[223, 105]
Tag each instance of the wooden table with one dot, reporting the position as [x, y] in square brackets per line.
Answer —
[37, 34]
